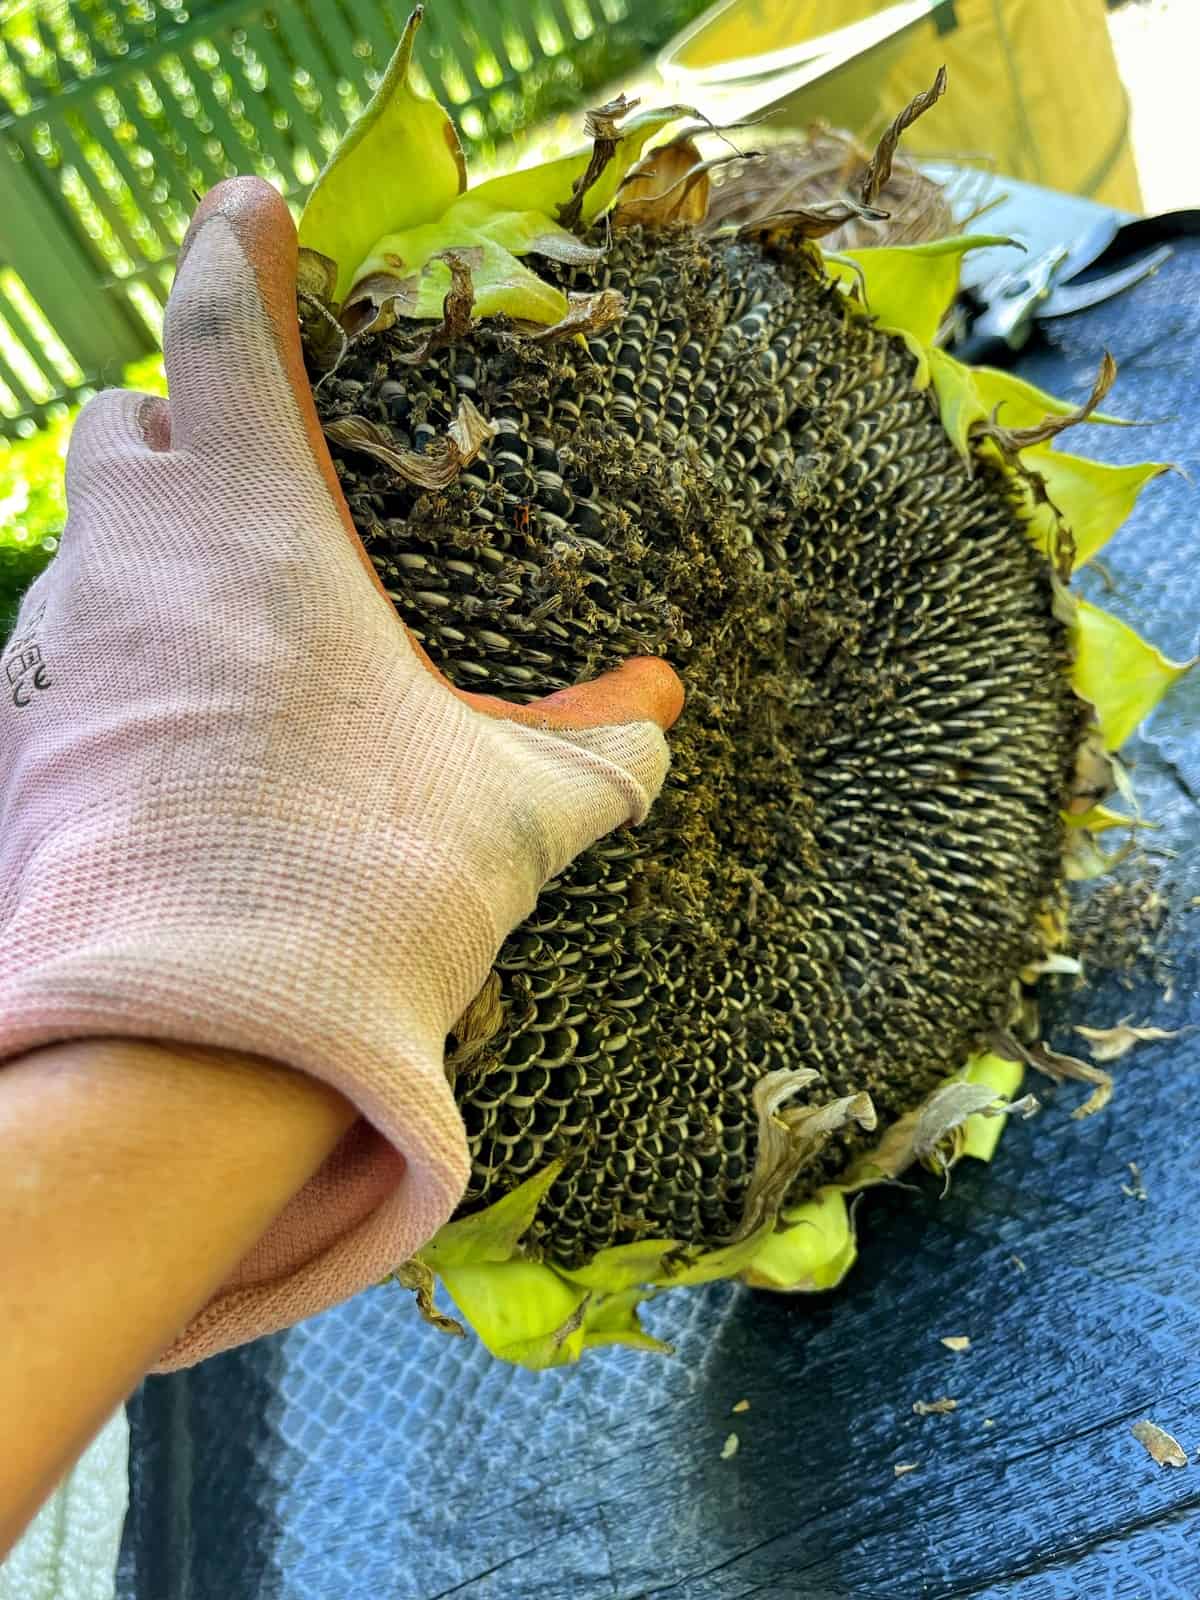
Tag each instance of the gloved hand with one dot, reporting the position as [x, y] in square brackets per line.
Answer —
[238, 808]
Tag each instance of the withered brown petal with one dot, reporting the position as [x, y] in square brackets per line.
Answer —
[586, 313]
[1013, 440]
[600, 125]
[808, 222]
[415, 1275]
[669, 185]
[788, 1139]
[434, 469]
[880, 168]
[1109, 1044]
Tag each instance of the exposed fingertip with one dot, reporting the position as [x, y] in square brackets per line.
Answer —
[117, 423]
[643, 689]
[252, 206]
[154, 419]
[658, 686]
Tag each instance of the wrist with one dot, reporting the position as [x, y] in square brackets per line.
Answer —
[133, 1178]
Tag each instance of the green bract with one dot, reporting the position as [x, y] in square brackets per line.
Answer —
[401, 165]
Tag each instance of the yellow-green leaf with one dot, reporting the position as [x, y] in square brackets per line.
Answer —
[1083, 858]
[522, 1311]
[721, 1263]
[501, 284]
[400, 164]
[521, 232]
[622, 1266]
[911, 287]
[920, 354]
[491, 1235]
[982, 1134]
[499, 281]
[815, 1249]
[529, 1313]
[1094, 498]
[1118, 672]
[614, 1320]
[959, 402]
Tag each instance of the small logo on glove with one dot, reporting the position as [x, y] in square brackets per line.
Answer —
[24, 667]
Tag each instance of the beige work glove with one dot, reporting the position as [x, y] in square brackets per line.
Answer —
[238, 808]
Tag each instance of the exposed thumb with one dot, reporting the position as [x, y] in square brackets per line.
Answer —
[643, 689]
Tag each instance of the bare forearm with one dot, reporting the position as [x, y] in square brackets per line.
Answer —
[133, 1178]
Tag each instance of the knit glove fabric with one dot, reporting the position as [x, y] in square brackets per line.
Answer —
[238, 808]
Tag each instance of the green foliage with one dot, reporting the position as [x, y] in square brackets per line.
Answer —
[566, 82]
[33, 506]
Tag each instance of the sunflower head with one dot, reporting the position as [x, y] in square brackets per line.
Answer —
[395, 241]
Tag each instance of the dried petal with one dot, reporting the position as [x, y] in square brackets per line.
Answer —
[789, 1139]
[325, 340]
[957, 1341]
[918, 1136]
[667, 186]
[1093, 778]
[476, 1028]
[456, 306]
[1062, 1068]
[730, 1448]
[587, 313]
[808, 222]
[415, 1275]
[434, 469]
[470, 431]
[1012, 440]
[1109, 1044]
[880, 168]
[600, 126]
[1056, 962]
[316, 274]
[1137, 1189]
[376, 301]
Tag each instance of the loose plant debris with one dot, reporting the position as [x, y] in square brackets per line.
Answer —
[957, 1342]
[1160, 1446]
[1136, 1190]
[903, 1468]
[1110, 1044]
[935, 1408]
[1061, 1068]
[742, 1405]
[730, 1448]
[1118, 925]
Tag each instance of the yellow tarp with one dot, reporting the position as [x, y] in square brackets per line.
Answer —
[1034, 87]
